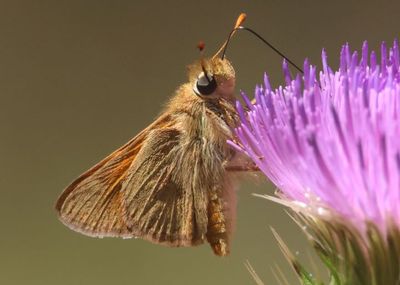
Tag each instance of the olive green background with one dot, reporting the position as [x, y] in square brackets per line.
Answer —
[80, 78]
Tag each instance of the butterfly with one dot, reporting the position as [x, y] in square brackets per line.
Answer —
[173, 183]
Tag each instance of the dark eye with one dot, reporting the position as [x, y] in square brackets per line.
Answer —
[205, 85]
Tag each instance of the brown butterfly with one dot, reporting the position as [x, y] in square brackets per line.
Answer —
[173, 183]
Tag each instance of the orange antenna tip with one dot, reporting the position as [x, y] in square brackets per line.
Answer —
[240, 20]
[201, 45]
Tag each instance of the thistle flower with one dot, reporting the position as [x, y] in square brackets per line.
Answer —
[332, 147]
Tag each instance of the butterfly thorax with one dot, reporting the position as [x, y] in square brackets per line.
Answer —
[208, 122]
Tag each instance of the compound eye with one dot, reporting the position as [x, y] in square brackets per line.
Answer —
[205, 84]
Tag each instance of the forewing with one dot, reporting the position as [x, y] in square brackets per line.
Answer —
[165, 201]
[92, 204]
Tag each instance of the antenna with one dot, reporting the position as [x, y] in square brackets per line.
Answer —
[262, 39]
[239, 22]
[201, 45]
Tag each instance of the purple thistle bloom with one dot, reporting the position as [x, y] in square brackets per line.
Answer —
[332, 146]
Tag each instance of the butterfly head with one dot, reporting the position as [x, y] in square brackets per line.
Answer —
[213, 77]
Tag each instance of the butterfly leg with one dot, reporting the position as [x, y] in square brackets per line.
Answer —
[245, 167]
[217, 230]
[240, 163]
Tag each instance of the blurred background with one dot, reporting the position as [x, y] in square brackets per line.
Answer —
[80, 78]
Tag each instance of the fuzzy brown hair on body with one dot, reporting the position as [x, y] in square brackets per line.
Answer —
[173, 183]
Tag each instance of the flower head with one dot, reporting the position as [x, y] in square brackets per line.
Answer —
[332, 144]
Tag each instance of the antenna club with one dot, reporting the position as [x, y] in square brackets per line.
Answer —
[201, 45]
[242, 17]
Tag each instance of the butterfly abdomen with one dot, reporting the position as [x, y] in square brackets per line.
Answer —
[217, 231]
